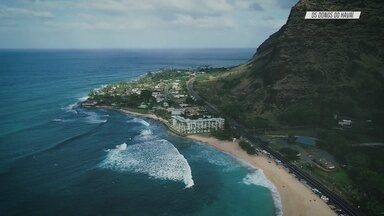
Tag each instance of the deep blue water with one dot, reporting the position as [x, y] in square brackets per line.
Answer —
[58, 159]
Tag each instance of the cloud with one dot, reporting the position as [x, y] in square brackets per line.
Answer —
[204, 22]
[190, 7]
[195, 23]
[267, 22]
[255, 6]
[286, 3]
[95, 26]
[22, 12]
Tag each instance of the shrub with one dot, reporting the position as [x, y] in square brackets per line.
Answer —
[247, 147]
[289, 153]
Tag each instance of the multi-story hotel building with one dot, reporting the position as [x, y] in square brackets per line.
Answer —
[192, 126]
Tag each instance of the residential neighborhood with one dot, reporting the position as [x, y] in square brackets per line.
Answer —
[163, 93]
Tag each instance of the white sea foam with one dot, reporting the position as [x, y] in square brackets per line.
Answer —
[145, 135]
[257, 177]
[62, 120]
[82, 99]
[71, 108]
[140, 121]
[146, 132]
[99, 88]
[158, 159]
[121, 146]
[94, 118]
[220, 159]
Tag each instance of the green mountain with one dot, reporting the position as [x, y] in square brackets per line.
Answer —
[310, 70]
[312, 73]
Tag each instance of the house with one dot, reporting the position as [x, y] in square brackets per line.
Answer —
[156, 94]
[325, 164]
[176, 85]
[159, 99]
[192, 111]
[158, 87]
[179, 96]
[136, 91]
[143, 106]
[345, 123]
[175, 112]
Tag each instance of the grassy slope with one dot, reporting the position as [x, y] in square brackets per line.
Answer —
[310, 70]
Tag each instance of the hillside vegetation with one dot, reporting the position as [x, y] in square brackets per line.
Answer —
[311, 70]
[313, 73]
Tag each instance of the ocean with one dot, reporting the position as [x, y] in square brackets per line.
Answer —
[59, 159]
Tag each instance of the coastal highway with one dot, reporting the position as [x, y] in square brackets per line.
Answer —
[336, 200]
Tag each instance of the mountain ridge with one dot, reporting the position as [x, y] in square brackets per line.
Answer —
[328, 65]
[310, 75]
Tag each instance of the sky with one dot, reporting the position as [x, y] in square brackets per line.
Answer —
[140, 23]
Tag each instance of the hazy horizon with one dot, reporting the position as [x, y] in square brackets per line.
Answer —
[128, 48]
[128, 24]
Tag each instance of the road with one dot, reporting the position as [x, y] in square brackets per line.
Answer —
[334, 199]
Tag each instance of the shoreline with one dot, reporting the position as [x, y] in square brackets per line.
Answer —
[146, 115]
[296, 198]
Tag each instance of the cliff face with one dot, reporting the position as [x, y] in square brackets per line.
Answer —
[309, 57]
[330, 66]
[311, 67]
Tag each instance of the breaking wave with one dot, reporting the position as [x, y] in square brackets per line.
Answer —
[158, 159]
[217, 158]
[138, 120]
[100, 87]
[257, 177]
[94, 118]
[82, 99]
[62, 120]
[71, 108]
[146, 132]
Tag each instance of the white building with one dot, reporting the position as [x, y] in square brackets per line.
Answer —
[156, 94]
[175, 112]
[136, 91]
[345, 123]
[176, 85]
[201, 125]
[179, 96]
[159, 99]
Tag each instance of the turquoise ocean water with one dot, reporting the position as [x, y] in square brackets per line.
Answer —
[59, 159]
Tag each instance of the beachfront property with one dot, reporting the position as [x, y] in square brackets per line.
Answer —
[176, 85]
[176, 112]
[193, 126]
[345, 123]
[325, 164]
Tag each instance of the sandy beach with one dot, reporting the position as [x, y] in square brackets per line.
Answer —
[296, 198]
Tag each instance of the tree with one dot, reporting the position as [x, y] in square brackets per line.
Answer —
[290, 154]
[247, 147]
[291, 138]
